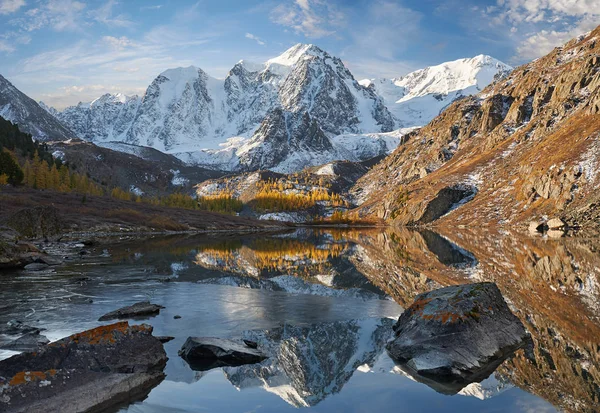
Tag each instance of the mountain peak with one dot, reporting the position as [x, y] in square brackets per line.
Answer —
[182, 73]
[292, 55]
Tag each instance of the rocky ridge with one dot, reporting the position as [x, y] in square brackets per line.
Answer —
[524, 147]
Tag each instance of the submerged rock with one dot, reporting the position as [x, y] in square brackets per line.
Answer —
[453, 336]
[141, 309]
[205, 353]
[36, 267]
[95, 370]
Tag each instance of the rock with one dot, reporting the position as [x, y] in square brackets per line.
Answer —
[205, 353]
[36, 222]
[445, 200]
[36, 267]
[48, 259]
[12, 256]
[176, 317]
[555, 223]
[165, 339]
[96, 370]
[14, 327]
[137, 310]
[537, 227]
[250, 343]
[29, 342]
[555, 233]
[453, 336]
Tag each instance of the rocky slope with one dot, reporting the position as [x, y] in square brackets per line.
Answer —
[302, 108]
[524, 147]
[333, 178]
[18, 108]
[140, 170]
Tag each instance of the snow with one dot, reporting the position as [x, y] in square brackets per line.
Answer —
[177, 179]
[212, 122]
[135, 190]
[487, 388]
[326, 169]
[418, 97]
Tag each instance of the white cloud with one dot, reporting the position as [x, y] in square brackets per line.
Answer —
[255, 38]
[156, 7]
[542, 42]
[104, 15]
[535, 27]
[6, 47]
[312, 18]
[118, 42]
[10, 6]
[59, 14]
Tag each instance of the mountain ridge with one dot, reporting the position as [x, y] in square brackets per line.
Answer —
[522, 149]
[215, 124]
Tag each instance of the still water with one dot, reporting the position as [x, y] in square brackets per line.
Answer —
[324, 302]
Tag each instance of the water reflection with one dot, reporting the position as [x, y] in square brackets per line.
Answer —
[323, 302]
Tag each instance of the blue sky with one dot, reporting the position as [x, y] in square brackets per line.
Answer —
[66, 51]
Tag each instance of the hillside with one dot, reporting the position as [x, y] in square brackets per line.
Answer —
[20, 109]
[524, 148]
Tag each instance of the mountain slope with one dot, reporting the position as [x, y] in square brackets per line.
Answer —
[419, 96]
[222, 123]
[525, 147]
[185, 109]
[20, 109]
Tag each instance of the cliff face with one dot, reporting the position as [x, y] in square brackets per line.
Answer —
[526, 146]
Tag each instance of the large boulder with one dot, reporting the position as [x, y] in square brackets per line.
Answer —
[205, 353]
[142, 309]
[453, 336]
[95, 370]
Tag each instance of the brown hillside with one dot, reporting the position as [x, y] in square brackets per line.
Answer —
[526, 146]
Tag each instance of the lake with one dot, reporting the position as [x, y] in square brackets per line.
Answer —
[324, 301]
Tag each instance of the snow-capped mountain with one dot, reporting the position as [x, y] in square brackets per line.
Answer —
[20, 109]
[418, 97]
[105, 119]
[299, 109]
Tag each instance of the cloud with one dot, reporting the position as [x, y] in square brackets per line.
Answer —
[10, 6]
[537, 26]
[542, 42]
[118, 42]
[255, 38]
[156, 7]
[312, 18]
[104, 15]
[61, 15]
[6, 47]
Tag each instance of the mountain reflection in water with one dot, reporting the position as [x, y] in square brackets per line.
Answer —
[323, 303]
